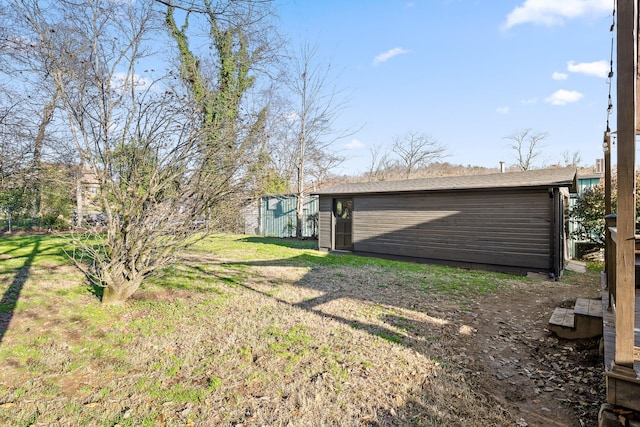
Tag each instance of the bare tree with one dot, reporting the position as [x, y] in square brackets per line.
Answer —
[379, 163]
[25, 61]
[321, 163]
[166, 165]
[571, 159]
[15, 151]
[316, 105]
[282, 150]
[526, 144]
[218, 88]
[417, 150]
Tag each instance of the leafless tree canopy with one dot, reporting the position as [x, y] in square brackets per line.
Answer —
[416, 150]
[527, 147]
[572, 159]
[379, 164]
[33, 139]
[308, 131]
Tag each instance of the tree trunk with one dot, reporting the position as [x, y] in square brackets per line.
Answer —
[300, 195]
[118, 293]
[299, 215]
[47, 115]
[79, 196]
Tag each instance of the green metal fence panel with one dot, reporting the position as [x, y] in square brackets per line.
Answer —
[278, 216]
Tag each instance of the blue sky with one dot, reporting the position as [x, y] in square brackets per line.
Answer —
[466, 72]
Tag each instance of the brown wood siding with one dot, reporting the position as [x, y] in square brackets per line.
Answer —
[509, 228]
[325, 223]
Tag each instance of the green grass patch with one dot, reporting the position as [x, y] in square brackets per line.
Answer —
[254, 251]
[391, 337]
[463, 283]
[596, 266]
[178, 392]
[291, 344]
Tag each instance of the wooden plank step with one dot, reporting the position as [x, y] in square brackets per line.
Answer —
[571, 324]
[588, 307]
[563, 317]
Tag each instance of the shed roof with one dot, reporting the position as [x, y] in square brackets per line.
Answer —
[539, 178]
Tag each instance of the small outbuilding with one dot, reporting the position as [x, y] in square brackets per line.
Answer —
[514, 221]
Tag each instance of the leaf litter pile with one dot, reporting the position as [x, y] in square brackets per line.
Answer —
[251, 332]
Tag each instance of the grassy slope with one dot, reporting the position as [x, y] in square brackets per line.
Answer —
[241, 330]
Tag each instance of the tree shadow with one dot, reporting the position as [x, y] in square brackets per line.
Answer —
[415, 318]
[402, 319]
[289, 242]
[95, 289]
[11, 295]
[423, 323]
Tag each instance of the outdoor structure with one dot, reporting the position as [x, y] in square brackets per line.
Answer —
[621, 319]
[513, 221]
[89, 183]
[275, 216]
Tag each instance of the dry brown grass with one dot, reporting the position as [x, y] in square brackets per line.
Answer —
[256, 335]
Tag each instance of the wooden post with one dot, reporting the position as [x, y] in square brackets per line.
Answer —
[625, 248]
[610, 256]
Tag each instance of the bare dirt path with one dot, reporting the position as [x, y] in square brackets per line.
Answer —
[545, 380]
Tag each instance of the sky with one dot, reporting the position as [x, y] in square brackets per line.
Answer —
[467, 73]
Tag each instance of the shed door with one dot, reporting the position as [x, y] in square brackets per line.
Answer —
[343, 212]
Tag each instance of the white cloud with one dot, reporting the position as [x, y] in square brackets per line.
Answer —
[123, 80]
[292, 116]
[554, 12]
[385, 56]
[529, 101]
[502, 110]
[563, 97]
[354, 144]
[559, 76]
[598, 68]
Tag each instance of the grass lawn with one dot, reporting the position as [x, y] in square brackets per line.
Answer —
[242, 331]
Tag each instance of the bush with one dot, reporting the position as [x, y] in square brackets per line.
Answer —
[53, 222]
[588, 213]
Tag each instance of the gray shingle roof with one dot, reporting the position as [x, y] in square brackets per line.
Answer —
[558, 177]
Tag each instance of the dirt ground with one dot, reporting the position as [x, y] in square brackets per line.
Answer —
[543, 380]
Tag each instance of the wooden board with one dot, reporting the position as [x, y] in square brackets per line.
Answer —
[562, 317]
[588, 307]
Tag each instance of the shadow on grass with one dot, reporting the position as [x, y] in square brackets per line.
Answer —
[335, 291]
[189, 277]
[81, 255]
[95, 290]
[11, 295]
[289, 242]
[412, 340]
[17, 243]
